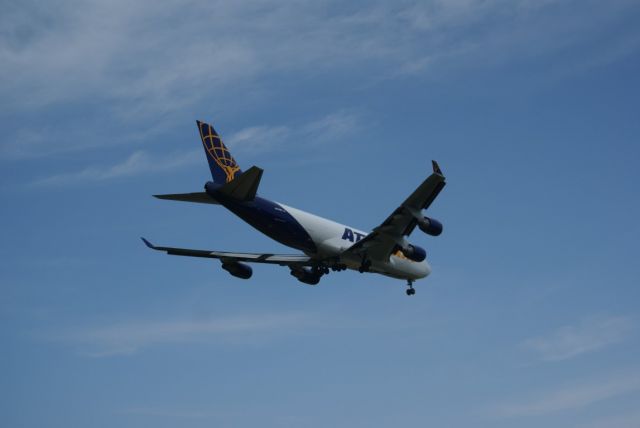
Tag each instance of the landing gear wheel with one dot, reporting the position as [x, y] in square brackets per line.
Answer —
[364, 267]
[410, 291]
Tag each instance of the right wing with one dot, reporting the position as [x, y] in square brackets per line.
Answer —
[380, 243]
[278, 259]
[199, 197]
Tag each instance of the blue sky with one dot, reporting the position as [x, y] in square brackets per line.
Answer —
[530, 317]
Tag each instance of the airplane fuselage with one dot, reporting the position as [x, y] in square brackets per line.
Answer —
[316, 236]
[327, 245]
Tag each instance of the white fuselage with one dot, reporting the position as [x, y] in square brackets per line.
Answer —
[332, 239]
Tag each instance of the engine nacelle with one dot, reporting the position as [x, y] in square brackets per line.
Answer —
[415, 253]
[306, 275]
[430, 226]
[237, 269]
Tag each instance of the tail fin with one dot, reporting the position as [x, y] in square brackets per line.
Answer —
[222, 165]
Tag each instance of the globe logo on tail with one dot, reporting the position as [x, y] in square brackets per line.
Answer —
[219, 152]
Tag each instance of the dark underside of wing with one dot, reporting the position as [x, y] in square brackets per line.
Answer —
[278, 259]
[385, 238]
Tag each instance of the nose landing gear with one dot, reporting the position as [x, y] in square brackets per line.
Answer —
[410, 291]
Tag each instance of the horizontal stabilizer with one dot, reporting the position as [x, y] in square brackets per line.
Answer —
[198, 197]
[244, 187]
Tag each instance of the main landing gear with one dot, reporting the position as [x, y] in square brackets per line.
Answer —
[338, 267]
[410, 291]
[365, 265]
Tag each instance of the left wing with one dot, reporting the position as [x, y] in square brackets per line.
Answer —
[380, 243]
[278, 259]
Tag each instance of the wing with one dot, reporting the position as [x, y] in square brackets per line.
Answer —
[380, 243]
[278, 259]
[199, 197]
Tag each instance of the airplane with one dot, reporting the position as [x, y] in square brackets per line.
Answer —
[325, 245]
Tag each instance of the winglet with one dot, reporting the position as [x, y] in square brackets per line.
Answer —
[148, 244]
[436, 168]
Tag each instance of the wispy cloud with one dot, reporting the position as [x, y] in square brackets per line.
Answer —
[149, 58]
[137, 163]
[127, 338]
[113, 63]
[41, 140]
[572, 397]
[572, 340]
[332, 128]
[259, 138]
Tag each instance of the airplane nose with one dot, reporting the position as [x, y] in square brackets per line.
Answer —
[427, 268]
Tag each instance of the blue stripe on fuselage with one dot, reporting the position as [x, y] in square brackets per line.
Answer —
[272, 220]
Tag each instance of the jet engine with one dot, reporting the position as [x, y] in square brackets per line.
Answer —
[430, 226]
[306, 275]
[237, 269]
[415, 253]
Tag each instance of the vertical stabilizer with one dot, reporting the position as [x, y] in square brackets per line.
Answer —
[222, 165]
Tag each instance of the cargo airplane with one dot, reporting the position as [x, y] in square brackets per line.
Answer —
[325, 244]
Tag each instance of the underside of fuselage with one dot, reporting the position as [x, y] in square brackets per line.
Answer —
[273, 220]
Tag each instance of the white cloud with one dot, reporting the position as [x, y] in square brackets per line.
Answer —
[156, 58]
[572, 397]
[328, 129]
[115, 62]
[259, 138]
[131, 337]
[572, 340]
[137, 163]
[41, 140]
[331, 128]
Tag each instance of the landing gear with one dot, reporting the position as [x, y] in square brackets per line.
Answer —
[338, 267]
[321, 270]
[410, 291]
[365, 264]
